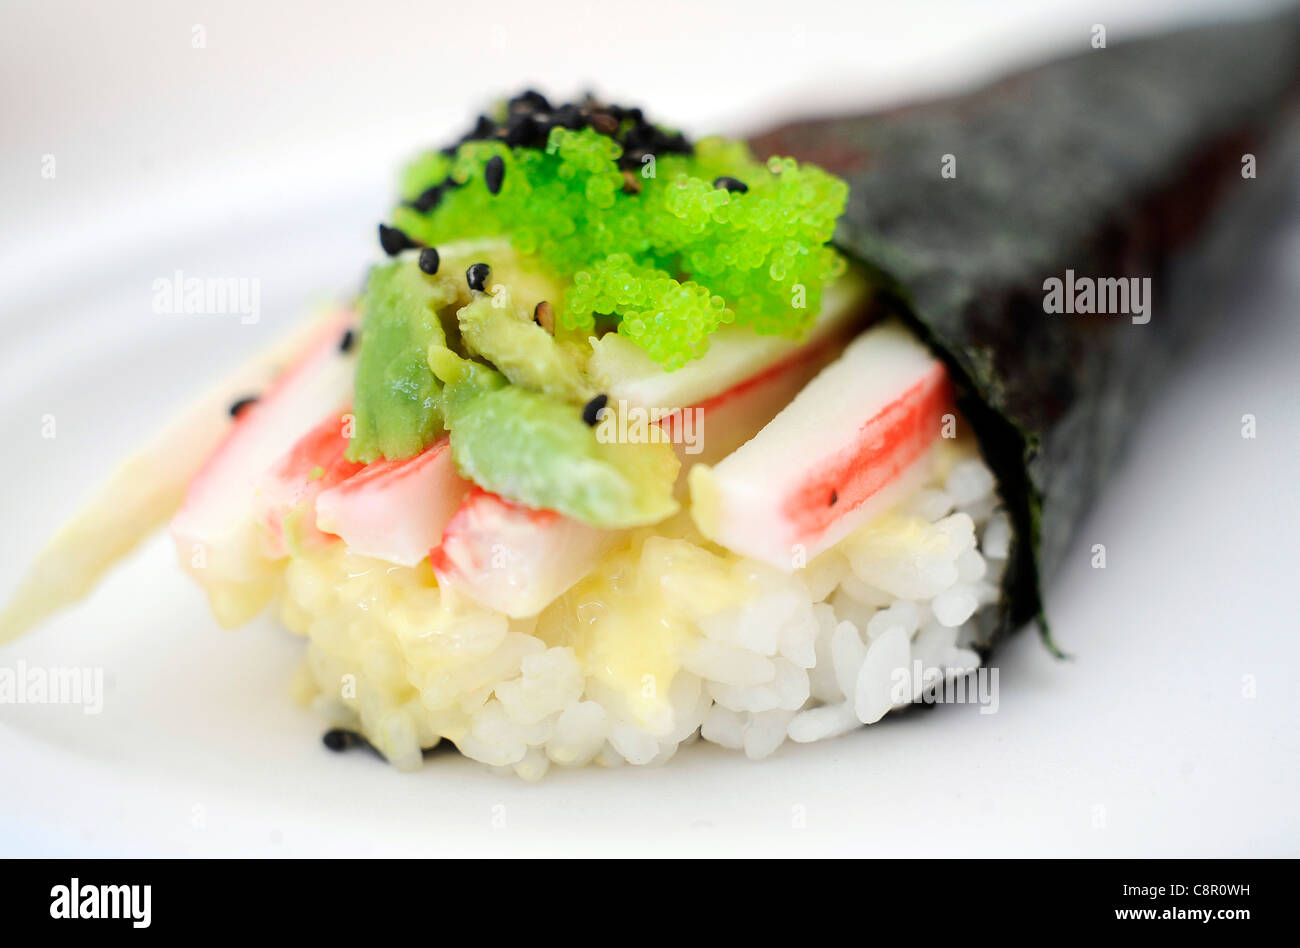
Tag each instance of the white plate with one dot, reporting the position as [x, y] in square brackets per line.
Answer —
[215, 160]
[1147, 743]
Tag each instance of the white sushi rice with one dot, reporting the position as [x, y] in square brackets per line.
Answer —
[814, 655]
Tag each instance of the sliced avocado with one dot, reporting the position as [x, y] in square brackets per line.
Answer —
[536, 450]
[525, 353]
[396, 399]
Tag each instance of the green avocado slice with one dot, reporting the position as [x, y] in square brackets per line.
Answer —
[525, 353]
[396, 400]
[536, 450]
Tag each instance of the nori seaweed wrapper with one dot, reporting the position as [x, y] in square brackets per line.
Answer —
[1118, 162]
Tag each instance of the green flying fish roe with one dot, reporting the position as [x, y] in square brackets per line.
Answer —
[660, 247]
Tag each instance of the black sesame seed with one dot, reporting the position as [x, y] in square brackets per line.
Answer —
[542, 132]
[632, 159]
[730, 184]
[394, 241]
[429, 260]
[477, 276]
[494, 173]
[529, 100]
[568, 116]
[429, 199]
[530, 117]
[544, 316]
[345, 344]
[604, 122]
[675, 143]
[340, 739]
[521, 130]
[240, 405]
[591, 411]
[640, 137]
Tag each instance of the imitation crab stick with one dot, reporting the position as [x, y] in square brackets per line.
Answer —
[514, 559]
[216, 531]
[148, 488]
[395, 510]
[833, 458]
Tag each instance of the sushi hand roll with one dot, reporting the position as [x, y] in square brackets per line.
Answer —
[1009, 221]
[632, 440]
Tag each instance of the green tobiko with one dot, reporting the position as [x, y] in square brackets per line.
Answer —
[671, 242]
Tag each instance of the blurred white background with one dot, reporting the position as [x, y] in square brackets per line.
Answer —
[294, 99]
[270, 152]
